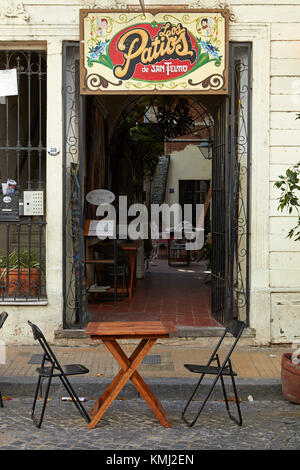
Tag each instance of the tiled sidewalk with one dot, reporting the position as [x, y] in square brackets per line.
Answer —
[178, 294]
[165, 360]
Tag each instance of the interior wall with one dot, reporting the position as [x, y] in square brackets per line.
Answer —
[187, 164]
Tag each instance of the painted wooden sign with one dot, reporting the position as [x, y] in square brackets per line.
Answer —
[156, 52]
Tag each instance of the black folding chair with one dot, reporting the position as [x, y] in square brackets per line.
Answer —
[3, 317]
[55, 370]
[236, 328]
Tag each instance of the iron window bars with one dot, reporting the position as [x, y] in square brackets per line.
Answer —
[23, 159]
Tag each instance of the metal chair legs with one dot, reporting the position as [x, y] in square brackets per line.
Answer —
[70, 390]
[191, 423]
[75, 398]
[38, 422]
[236, 328]
[238, 421]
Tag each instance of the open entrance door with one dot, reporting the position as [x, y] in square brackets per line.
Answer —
[229, 213]
[230, 193]
[220, 245]
[159, 155]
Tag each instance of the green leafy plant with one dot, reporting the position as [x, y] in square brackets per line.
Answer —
[24, 260]
[146, 144]
[170, 117]
[174, 118]
[289, 185]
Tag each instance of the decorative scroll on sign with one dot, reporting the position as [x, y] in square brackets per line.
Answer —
[154, 52]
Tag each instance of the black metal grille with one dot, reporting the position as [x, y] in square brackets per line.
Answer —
[75, 299]
[219, 220]
[23, 159]
[152, 359]
[240, 166]
[231, 193]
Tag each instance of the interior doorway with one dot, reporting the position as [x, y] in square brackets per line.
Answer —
[156, 150]
[154, 147]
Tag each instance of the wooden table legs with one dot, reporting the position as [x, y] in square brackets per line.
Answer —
[128, 371]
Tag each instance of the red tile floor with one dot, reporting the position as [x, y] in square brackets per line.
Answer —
[180, 294]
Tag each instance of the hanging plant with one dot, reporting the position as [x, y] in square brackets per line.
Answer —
[152, 121]
[175, 120]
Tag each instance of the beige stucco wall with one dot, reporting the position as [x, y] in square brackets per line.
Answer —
[187, 164]
[273, 28]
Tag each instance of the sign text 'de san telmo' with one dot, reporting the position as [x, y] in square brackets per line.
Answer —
[165, 52]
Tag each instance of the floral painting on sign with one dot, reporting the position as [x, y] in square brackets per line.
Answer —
[162, 51]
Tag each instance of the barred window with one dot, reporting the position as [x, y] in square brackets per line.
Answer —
[23, 179]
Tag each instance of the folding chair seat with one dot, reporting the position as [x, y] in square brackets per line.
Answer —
[3, 317]
[70, 369]
[208, 370]
[55, 370]
[236, 328]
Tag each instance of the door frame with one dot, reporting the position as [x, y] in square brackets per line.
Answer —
[79, 302]
[231, 225]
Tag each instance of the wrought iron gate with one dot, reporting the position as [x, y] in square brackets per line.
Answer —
[220, 287]
[23, 160]
[231, 193]
[74, 292]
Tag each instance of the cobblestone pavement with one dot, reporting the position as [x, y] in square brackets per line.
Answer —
[130, 425]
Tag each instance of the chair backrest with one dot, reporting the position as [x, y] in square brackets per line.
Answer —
[37, 334]
[49, 354]
[3, 317]
[236, 327]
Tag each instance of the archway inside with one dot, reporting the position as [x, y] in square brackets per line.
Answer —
[154, 150]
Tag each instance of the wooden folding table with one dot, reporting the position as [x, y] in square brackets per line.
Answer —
[109, 332]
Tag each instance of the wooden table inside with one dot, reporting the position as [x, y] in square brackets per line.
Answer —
[130, 249]
[109, 332]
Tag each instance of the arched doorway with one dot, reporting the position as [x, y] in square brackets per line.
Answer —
[160, 152]
[230, 260]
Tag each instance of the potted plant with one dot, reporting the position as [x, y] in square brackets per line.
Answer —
[21, 271]
[289, 185]
[290, 377]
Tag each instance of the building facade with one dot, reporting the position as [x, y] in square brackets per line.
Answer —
[49, 32]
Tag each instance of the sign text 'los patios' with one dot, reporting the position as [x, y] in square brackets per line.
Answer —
[138, 47]
[154, 52]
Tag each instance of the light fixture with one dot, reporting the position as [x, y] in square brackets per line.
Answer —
[206, 147]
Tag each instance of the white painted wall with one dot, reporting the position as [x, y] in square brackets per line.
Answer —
[284, 151]
[187, 164]
[273, 26]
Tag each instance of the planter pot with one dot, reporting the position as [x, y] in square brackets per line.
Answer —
[18, 283]
[290, 378]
